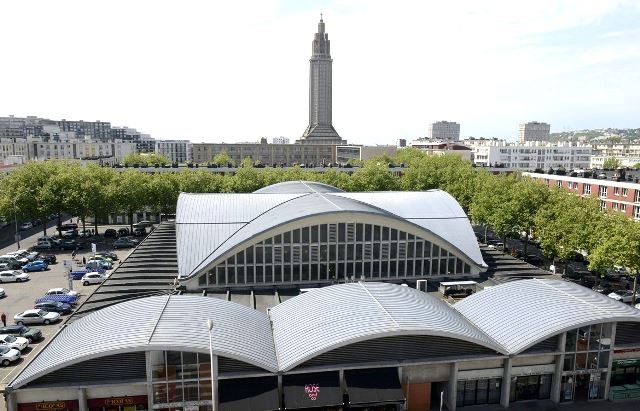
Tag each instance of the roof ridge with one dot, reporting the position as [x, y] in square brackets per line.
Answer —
[393, 320]
[158, 319]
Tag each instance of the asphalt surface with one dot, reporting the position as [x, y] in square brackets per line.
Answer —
[22, 296]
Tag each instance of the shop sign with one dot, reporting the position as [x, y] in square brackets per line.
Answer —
[626, 350]
[626, 363]
[312, 390]
[117, 401]
[49, 405]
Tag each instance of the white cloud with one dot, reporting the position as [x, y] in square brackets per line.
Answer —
[213, 71]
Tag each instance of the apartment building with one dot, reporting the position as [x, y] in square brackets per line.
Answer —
[444, 131]
[267, 153]
[533, 131]
[620, 196]
[363, 153]
[177, 151]
[443, 147]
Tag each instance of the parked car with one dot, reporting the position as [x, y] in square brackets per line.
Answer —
[69, 234]
[123, 243]
[85, 233]
[113, 256]
[110, 232]
[31, 334]
[36, 317]
[625, 296]
[77, 275]
[131, 239]
[63, 298]
[61, 291]
[26, 226]
[144, 223]
[2, 293]
[45, 245]
[37, 265]
[70, 245]
[25, 254]
[101, 257]
[13, 259]
[19, 343]
[54, 307]
[11, 266]
[69, 226]
[12, 276]
[8, 355]
[48, 258]
[93, 278]
[123, 232]
[54, 240]
[138, 232]
[95, 264]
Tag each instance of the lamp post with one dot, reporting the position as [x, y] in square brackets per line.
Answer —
[213, 390]
[15, 219]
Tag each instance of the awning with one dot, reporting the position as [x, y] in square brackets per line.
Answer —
[375, 386]
[248, 394]
[321, 389]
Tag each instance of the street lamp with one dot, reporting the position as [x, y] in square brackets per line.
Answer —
[15, 219]
[213, 390]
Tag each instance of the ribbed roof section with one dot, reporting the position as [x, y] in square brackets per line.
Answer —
[288, 187]
[328, 318]
[160, 323]
[520, 314]
[209, 225]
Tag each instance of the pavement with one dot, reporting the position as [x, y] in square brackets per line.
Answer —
[21, 296]
[546, 405]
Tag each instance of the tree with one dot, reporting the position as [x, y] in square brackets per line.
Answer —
[492, 205]
[222, 159]
[528, 197]
[611, 163]
[373, 176]
[129, 190]
[163, 191]
[145, 158]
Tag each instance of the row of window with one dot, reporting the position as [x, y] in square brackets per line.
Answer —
[328, 252]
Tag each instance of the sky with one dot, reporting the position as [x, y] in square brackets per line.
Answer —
[214, 71]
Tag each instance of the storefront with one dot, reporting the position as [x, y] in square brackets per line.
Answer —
[478, 392]
[624, 372]
[530, 387]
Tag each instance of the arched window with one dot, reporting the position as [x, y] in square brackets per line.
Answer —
[335, 252]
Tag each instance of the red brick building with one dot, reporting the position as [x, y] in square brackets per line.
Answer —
[621, 196]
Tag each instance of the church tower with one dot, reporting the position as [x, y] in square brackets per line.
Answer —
[320, 129]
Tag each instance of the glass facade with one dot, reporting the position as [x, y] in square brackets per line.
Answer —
[335, 252]
[180, 377]
[530, 387]
[482, 391]
[586, 361]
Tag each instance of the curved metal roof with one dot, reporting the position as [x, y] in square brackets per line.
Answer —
[520, 314]
[159, 323]
[290, 187]
[327, 318]
[208, 225]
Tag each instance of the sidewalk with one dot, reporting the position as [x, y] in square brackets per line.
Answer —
[623, 405]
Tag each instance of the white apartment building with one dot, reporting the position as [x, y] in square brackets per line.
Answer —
[627, 153]
[280, 140]
[530, 155]
[533, 131]
[444, 131]
[178, 151]
[39, 150]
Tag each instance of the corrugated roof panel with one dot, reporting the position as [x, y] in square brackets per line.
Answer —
[522, 313]
[162, 322]
[288, 187]
[327, 318]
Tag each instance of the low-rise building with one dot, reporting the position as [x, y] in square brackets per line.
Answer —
[620, 196]
[443, 147]
[267, 153]
[344, 154]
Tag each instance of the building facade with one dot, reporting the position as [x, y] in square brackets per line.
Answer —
[441, 147]
[178, 151]
[531, 155]
[280, 140]
[619, 196]
[320, 129]
[444, 131]
[533, 131]
[363, 153]
[267, 154]
[310, 233]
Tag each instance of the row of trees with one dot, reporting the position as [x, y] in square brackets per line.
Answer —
[510, 205]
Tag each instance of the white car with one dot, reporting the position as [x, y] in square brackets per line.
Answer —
[93, 264]
[16, 257]
[8, 355]
[36, 317]
[624, 296]
[61, 291]
[26, 226]
[19, 343]
[12, 276]
[92, 278]
[29, 255]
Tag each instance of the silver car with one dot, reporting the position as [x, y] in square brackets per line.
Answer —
[8, 355]
[12, 276]
[36, 317]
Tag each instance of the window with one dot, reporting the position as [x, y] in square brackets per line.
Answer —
[603, 191]
[636, 212]
[587, 188]
[637, 198]
[616, 191]
[559, 183]
[625, 192]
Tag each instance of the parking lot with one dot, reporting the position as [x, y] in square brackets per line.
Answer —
[22, 296]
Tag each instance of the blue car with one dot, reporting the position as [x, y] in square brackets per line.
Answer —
[37, 265]
[63, 298]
